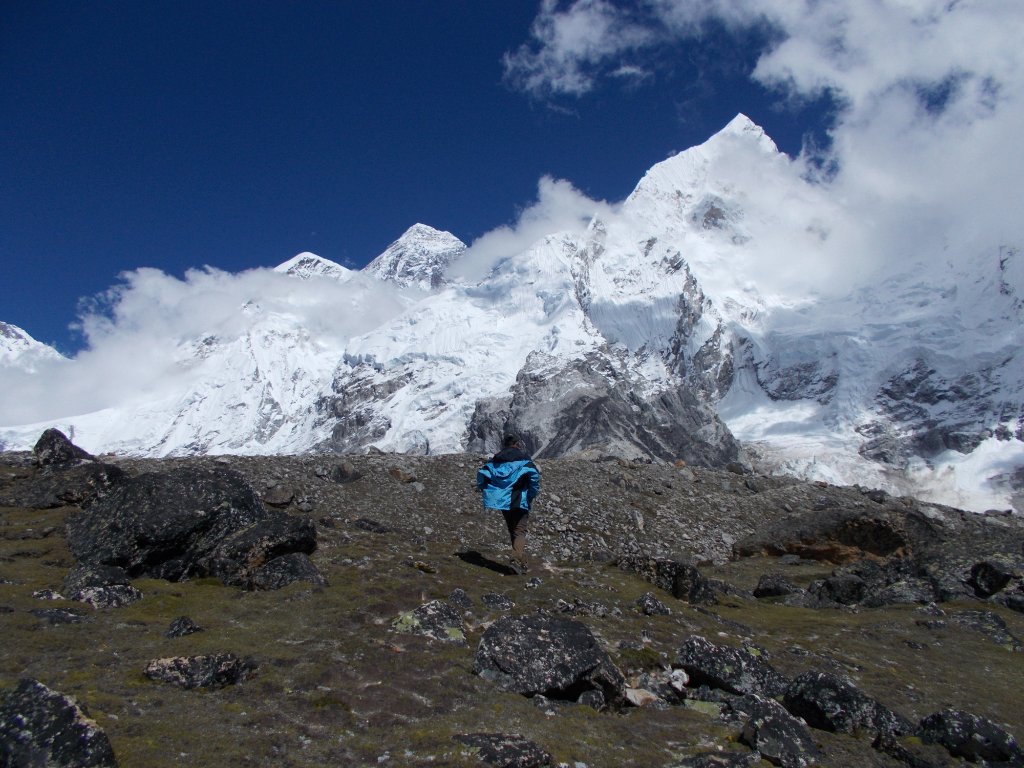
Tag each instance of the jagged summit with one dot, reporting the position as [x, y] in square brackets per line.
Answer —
[306, 265]
[659, 332]
[18, 348]
[418, 258]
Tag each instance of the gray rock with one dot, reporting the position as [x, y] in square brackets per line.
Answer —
[729, 669]
[682, 580]
[775, 585]
[183, 626]
[437, 620]
[282, 571]
[559, 658]
[649, 605]
[187, 523]
[832, 703]
[780, 738]
[215, 670]
[41, 727]
[53, 448]
[505, 750]
[971, 737]
[989, 577]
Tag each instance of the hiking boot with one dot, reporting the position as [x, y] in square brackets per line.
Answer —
[519, 566]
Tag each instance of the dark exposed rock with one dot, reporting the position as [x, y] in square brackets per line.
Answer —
[721, 760]
[506, 750]
[186, 523]
[554, 657]
[53, 448]
[100, 586]
[215, 670]
[344, 472]
[682, 580]
[41, 727]
[727, 668]
[833, 703]
[460, 600]
[971, 737]
[282, 571]
[497, 602]
[649, 605]
[830, 532]
[278, 496]
[775, 585]
[59, 486]
[183, 626]
[437, 620]
[988, 577]
[779, 737]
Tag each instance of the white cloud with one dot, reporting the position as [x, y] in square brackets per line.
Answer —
[141, 333]
[569, 47]
[560, 207]
[925, 145]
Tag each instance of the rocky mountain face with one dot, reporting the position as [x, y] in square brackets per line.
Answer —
[646, 335]
[323, 610]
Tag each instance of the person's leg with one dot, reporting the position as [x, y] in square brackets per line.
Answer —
[518, 522]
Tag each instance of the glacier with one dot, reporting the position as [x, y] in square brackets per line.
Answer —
[722, 312]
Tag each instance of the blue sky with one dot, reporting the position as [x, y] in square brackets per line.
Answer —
[174, 135]
[236, 134]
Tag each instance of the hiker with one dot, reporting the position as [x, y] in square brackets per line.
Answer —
[509, 482]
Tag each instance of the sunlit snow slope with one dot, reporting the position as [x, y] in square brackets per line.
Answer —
[725, 290]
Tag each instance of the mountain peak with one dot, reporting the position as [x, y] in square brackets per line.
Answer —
[18, 348]
[418, 258]
[305, 265]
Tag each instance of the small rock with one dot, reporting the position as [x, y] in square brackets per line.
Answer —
[41, 727]
[506, 750]
[345, 472]
[971, 737]
[780, 738]
[211, 671]
[182, 626]
[497, 602]
[649, 605]
[775, 585]
[436, 620]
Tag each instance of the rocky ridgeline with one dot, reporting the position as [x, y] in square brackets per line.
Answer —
[358, 610]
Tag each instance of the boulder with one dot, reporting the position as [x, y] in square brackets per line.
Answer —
[437, 620]
[41, 727]
[100, 586]
[832, 703]
[721, 760]
[62, 485]
[53, 448]
[775, 585]
[780, 738]
[183, 626]
[505, 750]
[554, 657]
[649, 605]
[189, 523]
[970, 737]
[282, 571]
[987, 578]
[729, 669]
[682, 580]
[215, 670]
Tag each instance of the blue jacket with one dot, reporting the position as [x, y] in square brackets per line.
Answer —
[509, 481]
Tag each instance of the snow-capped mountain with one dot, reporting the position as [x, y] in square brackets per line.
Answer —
[18, 349]
[656, 331]
[418, 258]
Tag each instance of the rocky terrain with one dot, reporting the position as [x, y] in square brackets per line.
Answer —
[359, 610]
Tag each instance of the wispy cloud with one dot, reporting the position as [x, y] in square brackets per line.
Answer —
[559, 207]
[925, 147]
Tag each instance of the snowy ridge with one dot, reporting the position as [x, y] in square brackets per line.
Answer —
[643, 335]
[19, 349]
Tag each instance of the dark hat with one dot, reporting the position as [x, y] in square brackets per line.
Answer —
[509, 441]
